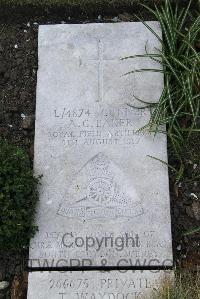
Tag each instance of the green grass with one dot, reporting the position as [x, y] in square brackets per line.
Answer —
[186, 286]
[179, 104]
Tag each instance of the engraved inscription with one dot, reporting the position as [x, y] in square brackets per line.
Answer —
[106, 287]
[104, 126]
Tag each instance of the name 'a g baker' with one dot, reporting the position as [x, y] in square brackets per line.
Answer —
[100, 123]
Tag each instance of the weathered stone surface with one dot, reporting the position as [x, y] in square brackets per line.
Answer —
[103, 200]
[4, 289]
[96, 284]
[4, 285]
[196, 210]
[28, 122]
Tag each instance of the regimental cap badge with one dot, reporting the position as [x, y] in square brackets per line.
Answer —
[101, 190]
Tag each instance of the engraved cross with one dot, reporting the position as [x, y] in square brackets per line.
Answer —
[101, 59]
[100, 71]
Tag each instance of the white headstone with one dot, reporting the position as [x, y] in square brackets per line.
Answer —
[96, 285]
[103, 200]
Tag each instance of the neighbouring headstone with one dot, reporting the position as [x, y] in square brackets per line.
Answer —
[104, 201]
[97, 285]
